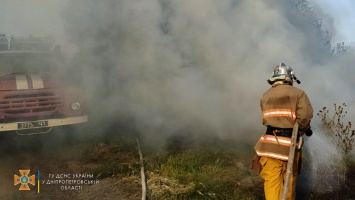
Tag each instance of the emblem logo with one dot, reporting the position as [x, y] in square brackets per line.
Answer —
[24, 179]
[278, 71]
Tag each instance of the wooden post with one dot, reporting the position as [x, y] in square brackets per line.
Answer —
[291, 157]
[144, 185]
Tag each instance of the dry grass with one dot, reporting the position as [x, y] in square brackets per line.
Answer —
[204, 171]
[199, 170]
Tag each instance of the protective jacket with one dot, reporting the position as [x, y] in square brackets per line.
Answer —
[282, 105]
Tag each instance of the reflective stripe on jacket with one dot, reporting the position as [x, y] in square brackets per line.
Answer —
[274, 147]
[281, 106]
[279, 113]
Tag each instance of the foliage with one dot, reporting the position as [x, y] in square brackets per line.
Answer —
[341, 48]
[304, 8]
[326, 38]
[336, 125]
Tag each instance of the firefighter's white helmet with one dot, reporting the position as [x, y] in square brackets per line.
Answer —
[284, 73]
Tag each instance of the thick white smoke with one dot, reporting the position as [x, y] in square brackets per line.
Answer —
[173, 64]
[201, 66]
[198, 64]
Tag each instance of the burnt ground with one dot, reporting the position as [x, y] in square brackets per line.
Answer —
[69, 152]
[58, 154]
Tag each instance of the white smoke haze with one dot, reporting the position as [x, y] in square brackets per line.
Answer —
[173, 64]
[36, 17]
[199, 64]
[201, 67]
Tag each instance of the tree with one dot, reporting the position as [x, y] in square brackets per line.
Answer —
[304, 15]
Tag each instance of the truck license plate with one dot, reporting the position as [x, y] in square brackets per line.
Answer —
[35, 124]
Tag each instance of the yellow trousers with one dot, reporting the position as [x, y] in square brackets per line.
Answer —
[274, 174]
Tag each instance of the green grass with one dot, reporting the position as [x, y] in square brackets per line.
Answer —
[215, 173]
[189, 168]
[108, 169]
[206, 169]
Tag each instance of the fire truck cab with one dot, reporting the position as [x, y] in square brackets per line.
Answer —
[33, 97]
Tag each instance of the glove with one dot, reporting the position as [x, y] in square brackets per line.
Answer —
[309, 132]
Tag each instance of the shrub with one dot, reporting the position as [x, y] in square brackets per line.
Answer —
[335, 125]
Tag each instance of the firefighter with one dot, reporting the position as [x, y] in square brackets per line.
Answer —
[282, 105]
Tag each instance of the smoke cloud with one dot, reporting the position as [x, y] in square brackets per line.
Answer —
[195, 65]
[170, 65]
[201, 66]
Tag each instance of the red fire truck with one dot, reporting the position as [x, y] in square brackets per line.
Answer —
[33, 97]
